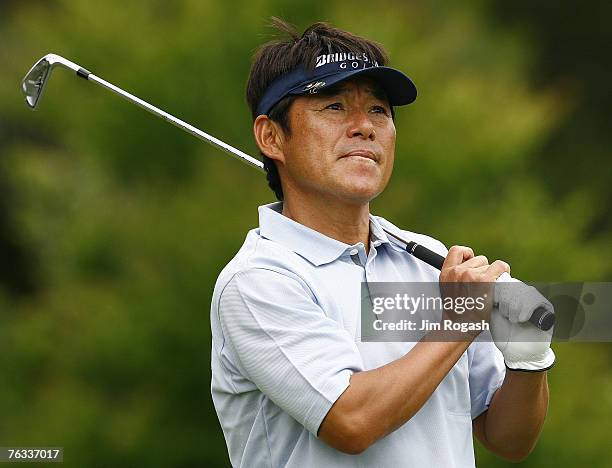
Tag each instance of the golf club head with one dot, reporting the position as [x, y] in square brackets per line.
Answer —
[36, 79]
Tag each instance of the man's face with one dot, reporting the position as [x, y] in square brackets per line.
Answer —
[342, 143]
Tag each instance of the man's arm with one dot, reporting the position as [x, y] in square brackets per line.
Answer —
[379, 401]
[512, 424]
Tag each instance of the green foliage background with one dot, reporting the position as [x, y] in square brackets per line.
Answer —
[115, 225]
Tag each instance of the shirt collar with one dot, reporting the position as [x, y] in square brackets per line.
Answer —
[315, 247]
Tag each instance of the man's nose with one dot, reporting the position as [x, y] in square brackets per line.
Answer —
[361, 126]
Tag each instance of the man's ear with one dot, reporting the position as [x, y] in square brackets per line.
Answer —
[269, 137]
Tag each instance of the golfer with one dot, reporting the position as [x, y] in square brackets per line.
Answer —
[292, 382]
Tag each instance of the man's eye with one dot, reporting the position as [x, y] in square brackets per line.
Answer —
[379, 110]
[334, 106]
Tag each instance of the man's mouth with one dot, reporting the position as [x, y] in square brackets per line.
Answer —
[361, 154]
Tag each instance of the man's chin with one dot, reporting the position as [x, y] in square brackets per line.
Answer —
[359, 194]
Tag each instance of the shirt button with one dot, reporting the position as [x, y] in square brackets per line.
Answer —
[376, 243]
[354, 252]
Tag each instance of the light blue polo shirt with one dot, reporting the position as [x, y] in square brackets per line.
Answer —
[285, 320]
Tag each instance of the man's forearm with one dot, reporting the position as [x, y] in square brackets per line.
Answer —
[380, 400]
[512, 424]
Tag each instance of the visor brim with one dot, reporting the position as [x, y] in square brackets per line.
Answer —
[400, 89]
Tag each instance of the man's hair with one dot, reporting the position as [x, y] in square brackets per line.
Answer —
[283, 54]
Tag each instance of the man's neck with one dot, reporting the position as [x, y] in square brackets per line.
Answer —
[344, 222]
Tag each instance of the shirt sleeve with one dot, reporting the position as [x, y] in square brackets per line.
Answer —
[487, 372]
[285, 343]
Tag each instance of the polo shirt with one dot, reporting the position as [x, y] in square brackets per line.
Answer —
[286, 338]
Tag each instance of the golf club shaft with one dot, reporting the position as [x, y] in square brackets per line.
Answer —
[174, 120]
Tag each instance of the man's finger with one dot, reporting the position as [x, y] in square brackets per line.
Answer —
[457, 254]
[472, 275]
[481, 269]
[476, 262]
[496, 269]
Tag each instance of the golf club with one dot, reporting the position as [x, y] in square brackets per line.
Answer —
[36, 81]
[37, 78]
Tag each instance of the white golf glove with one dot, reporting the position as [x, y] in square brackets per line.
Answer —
[524, 346]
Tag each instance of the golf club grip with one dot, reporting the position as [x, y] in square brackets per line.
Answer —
[541, 317]
[423, 253]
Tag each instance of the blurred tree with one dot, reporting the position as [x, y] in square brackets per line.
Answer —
[571, 44]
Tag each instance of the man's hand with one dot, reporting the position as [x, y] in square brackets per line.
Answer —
[461, 265]
[524, 346]
[464, 275]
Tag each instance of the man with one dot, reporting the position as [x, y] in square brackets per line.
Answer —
[293, 384]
